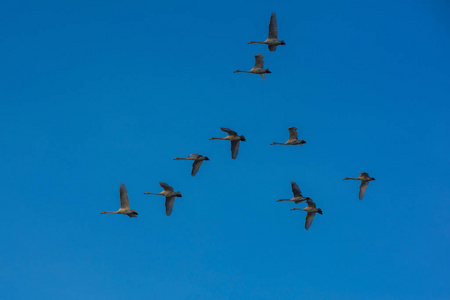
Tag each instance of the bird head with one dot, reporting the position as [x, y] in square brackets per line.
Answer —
[103, 212]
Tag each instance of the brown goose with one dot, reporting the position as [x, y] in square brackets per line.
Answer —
[169, 194]
[198, 160]
[258, 68]
[234, 138]
[293, 138]
[312, 210]
[364, 177]
[297, 194]
[124, 204]
[272, 41]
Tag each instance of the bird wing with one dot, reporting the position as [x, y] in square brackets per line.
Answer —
[170, 201]
[362, 188]
[273, 31]
[363, 176]
[196, 166]
[293, 133]
[166, 187]
[309, 219]
[273, 47]
[229, 131]
[259, 63]
[311, 203]
[234, 149]
[124, 201]
[296, 189]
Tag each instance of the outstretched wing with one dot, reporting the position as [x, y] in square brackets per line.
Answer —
[124, 202]
[165, 186]
[296, 189]
[196, 166]
[229, 131]
[259, 63]
[272, 47]
[273, 31]
[170, 201]
[234, 149]
[293, 133]
[309, 219]
[311, 203]
[362, 189]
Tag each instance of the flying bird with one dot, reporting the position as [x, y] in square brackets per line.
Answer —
[124, 204]
[364, 177]
[272, 41]
[234, 138]
[169, 194]
[293, 138]
[297, 194]
[198, 160]
[258, 68]
[312, 210]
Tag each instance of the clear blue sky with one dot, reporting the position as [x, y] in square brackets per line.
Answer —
[95, 93]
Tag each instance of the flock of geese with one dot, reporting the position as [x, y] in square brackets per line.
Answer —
[235, 139]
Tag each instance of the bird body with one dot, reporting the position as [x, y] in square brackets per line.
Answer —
[170, 195]
[198, 160]
[272, 41]
[298, 197]
[258, 68]
[311, 212]
[124, 204]
[365, 178]
[234, 138]
[293, 138]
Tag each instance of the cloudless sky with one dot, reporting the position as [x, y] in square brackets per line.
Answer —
[96, 93]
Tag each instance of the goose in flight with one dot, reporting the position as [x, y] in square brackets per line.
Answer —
[297, 194]
[258, 68]
[293, 138]
[198, 160]
[169, 194]
[312, 210]
[364, 177]
[124, 204]
[234, 138]
[272, 41]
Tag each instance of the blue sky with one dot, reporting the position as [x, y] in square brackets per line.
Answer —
[95, 93]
